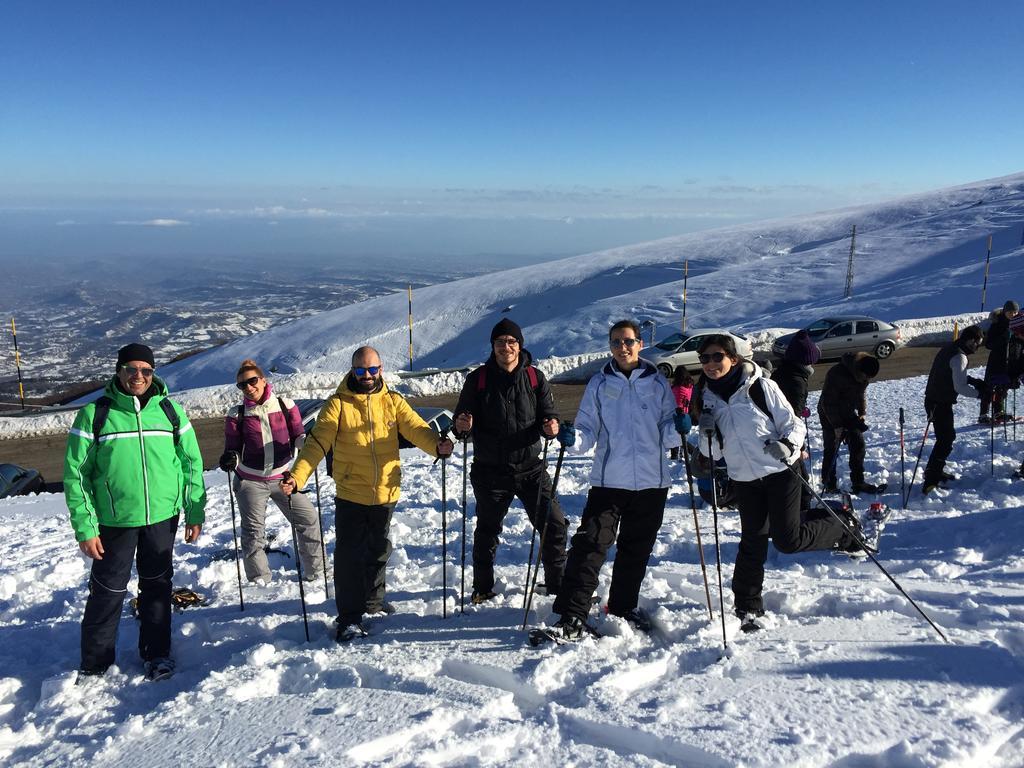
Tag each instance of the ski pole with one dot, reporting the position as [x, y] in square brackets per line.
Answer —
[444, 533]
[1014, 415]
[234, 537]
[533, 535]
[867, 550]
[718, 547]
[465, 475]
[992, 436]
[696, 524]
[903, 466]
[320, 520]
[913, 475]
[543, 531]
[298, 565]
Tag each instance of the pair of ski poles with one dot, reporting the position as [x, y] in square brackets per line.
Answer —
[444, 528]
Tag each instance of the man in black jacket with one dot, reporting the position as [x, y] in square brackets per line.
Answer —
[1003, 363]
[507, 406]
[842, 408]
[948, 378]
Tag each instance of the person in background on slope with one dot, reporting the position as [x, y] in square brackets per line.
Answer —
[507, 406]
[792, 374]
[628, 416]
[682, 390]
[1004, 359]
[948, 379]
[842, 408]
[746, 420]
[127, 477]
[259, 444]
[361, 422]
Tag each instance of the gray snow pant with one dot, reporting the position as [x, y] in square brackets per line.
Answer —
[252, 504]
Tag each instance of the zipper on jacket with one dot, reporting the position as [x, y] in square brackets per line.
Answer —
[142, 450]
[373, 442]
[110, 496]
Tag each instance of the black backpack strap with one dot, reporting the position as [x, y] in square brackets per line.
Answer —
[758, 398]
[99, 417]
[172, 416]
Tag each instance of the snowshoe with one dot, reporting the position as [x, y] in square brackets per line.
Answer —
[89, 676]
[569, 629]
[947, 477]
[350, 632]
[386, 609]
[159, 669]
[479, 598]
[750, 621]
[869, 488]
[638, 619]
[984, 419]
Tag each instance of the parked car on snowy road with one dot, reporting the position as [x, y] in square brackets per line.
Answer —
[18, 481]
[848, 333]
[681, 349]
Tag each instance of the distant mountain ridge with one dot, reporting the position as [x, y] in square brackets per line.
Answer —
[918, 256]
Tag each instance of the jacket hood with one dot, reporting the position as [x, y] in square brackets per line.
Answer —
[852, 362]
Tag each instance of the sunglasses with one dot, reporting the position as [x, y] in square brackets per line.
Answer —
[711, 357]
[373, 370]
[624, 343]
[134, 370]
[248, 382]
[507, 342]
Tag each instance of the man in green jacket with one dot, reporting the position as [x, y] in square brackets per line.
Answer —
[132, 464]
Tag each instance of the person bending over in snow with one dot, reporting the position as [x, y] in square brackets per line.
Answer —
[841, 410]
[746, 420]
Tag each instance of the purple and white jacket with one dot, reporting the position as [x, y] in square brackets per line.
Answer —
[266, 437]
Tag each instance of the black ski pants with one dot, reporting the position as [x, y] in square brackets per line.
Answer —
[770, 507]
[361, 555]
[634, 518]
[495, 488]
[945, 434]
[832, 438]
[151, 547]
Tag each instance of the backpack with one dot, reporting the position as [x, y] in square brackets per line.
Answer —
[99, 417]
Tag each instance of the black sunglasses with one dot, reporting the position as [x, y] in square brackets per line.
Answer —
[248, 382]
[624, 342]
[134, 370]
[709, 357]
[373, 370]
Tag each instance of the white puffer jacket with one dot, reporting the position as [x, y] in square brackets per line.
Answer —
[742, 428]
[630, 420]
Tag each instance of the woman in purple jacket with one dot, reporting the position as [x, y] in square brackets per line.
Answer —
[259, 443]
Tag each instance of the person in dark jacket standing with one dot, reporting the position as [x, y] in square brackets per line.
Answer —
[127, 478]
[1004, 361]
[792, 374]
[948, 379]
[506, 404]
[842, 409]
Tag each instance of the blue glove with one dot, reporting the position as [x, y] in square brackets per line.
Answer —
[566, 434]
[683, 423]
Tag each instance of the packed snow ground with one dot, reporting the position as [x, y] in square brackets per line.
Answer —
[849, 675]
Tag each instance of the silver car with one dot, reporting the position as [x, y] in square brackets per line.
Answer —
[681, 349]
[848, 333]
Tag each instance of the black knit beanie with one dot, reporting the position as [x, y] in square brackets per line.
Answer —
[802, 350]
[131, 352]
[506, 327]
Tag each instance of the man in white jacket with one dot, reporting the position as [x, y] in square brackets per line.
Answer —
[627, 415]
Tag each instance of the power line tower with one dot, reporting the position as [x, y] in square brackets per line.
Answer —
[849, 266]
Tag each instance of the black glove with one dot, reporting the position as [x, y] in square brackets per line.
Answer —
[978, 384]
[228, 461]
[862, 426]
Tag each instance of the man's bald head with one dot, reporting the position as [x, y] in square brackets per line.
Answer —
[364, 357]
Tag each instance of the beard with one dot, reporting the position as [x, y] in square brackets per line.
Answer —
[366, 386]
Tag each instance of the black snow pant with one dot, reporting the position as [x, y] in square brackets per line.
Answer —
[495, 488]
[854, 440]
[361, 555]
[945, 434]
[635, 516]
[151, 547]
[770, 507]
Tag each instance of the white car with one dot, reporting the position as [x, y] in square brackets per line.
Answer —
[681, 349]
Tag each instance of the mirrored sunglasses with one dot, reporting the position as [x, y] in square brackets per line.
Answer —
[134, 370]
[373, 370]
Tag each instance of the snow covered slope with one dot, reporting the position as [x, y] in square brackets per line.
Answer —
[849, 676]
[916, 257]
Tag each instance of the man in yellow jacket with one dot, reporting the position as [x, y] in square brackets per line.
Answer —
[361, 422]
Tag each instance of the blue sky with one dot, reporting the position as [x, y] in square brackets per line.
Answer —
[533, 128]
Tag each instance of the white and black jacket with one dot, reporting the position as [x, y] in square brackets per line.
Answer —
[742, 428]
[629, 418]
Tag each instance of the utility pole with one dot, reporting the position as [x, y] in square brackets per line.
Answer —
[849, 266]
[984, 285]
[686, 273]
[410, 327]
[17, 364]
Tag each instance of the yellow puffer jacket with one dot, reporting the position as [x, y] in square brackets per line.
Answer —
[363, 430]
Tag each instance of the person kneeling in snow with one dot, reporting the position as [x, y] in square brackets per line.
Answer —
[746, 420]
[629, 413]
[361, 421]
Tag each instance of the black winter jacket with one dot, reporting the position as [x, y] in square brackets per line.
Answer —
[507, 415]
[792, 380]
[843, 401]
[1005, 355]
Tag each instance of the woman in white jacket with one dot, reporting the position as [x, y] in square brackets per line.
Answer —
[752, 426]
